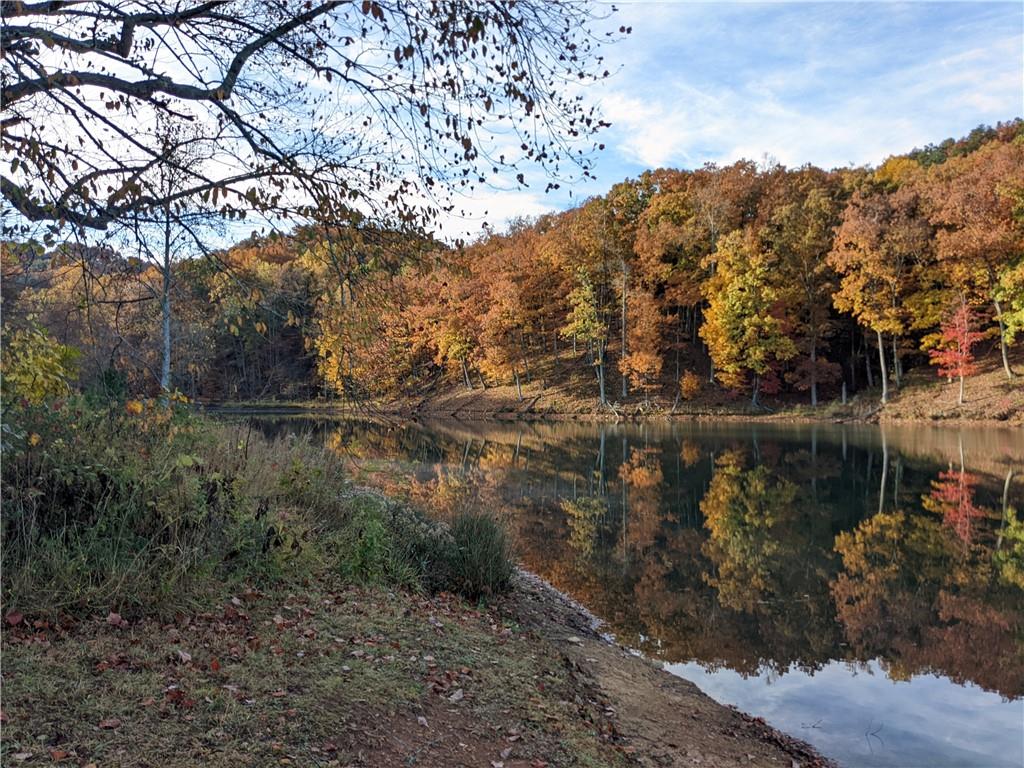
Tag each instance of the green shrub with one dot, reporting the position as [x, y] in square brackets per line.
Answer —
[386, 543]
[480, 563]
[34, 366]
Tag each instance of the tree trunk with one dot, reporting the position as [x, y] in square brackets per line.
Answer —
[625, 278]
[896, 363]
[519, 390]
[1002, 339]
[165, 307]
[960, 400]
[679, 343]
[465, 375]
[814, 373]
[881, 361]
[757, 387]
[599, 363]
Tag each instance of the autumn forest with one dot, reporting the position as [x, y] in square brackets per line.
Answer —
[751, 278]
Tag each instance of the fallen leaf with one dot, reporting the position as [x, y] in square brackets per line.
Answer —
[114, 619]
[422, 721]
[21, 756]
[110, 724]
[215, 665]
[184, 657]
[574, 640]
[505, 753]
[457, 696]
[14, 618]
[58, 755]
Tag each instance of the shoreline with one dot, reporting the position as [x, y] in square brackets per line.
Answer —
[652, 707]
[589, 417]
[340, 675]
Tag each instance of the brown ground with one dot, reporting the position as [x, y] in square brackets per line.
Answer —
[923, 396]
[340, 676]
[662, 719]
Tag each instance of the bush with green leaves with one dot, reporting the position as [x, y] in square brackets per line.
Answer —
[35, 367]
[384, 542]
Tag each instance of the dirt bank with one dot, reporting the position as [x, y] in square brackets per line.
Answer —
[661, 719]
[922, 397]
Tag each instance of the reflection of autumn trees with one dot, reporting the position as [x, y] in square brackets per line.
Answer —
[690, 452]
[769, 546]
[643, 478]
[582, 516]
[952, 496]
[740, 509]
[735, 561]
[912, 593]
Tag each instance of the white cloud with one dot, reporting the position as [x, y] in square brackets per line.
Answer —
[496, 208]
[829, 85]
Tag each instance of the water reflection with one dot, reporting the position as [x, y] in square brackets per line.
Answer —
[794, 570]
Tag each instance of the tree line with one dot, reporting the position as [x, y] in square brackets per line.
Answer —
[754, 278]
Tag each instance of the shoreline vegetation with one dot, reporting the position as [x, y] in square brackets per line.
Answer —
[174, 586]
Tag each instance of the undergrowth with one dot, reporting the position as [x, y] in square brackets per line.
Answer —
[146, 507]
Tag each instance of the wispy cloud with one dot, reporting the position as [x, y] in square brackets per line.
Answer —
[828, 84]
[825, 83]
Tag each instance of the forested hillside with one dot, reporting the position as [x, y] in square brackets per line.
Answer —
[745, 280]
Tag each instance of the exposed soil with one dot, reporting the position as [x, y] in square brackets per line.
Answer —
[922, 396]
[340, 676]
[664, 720]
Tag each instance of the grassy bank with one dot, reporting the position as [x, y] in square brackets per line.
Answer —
[180, 592]
[144, 508]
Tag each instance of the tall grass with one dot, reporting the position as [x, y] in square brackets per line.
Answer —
[480, 562]
[148, 508]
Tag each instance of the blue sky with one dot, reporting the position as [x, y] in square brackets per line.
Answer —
[832, 84]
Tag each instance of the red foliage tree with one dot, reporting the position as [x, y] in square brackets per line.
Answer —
[954, 356]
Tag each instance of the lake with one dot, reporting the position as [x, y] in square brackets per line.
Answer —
[858, 587]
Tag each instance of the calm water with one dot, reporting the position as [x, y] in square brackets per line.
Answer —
[860, 589]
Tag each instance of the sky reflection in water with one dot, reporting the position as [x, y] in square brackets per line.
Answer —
[859, 716]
